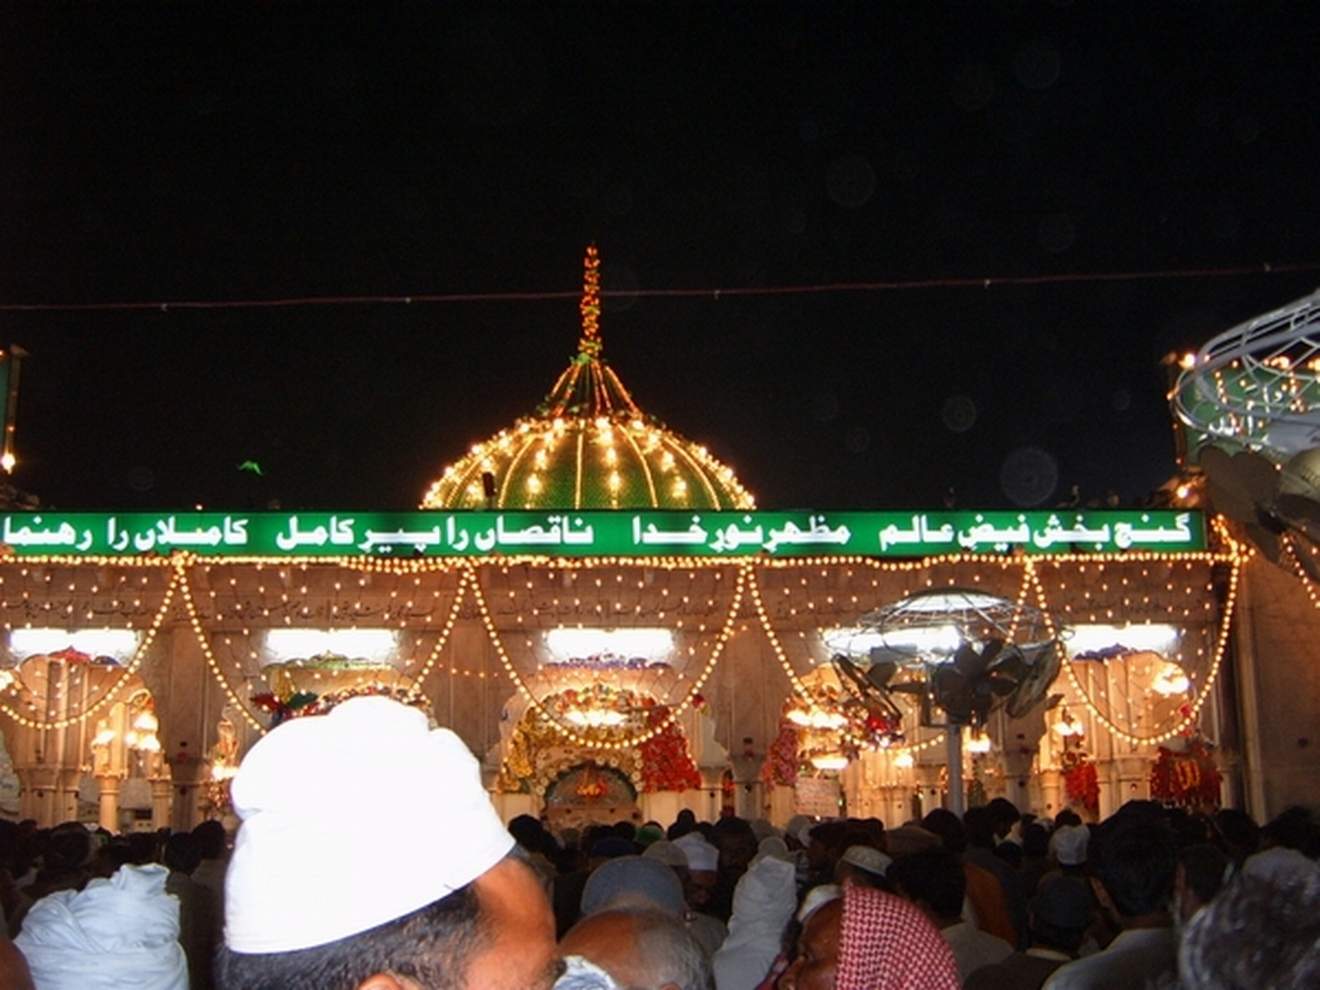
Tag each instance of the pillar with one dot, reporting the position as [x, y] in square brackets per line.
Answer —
[161, 799]
[109, 803]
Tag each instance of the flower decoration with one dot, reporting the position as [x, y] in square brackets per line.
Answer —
[1189, 779]
[1081, 782]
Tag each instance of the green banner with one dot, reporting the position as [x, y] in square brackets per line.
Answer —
[582, 534]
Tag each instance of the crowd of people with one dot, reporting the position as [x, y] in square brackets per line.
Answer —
[370, 858]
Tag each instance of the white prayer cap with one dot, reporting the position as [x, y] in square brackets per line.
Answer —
[818, 897]
[323, 801]
[1070, 843]
[666, 852]
[701, 855]
[868, 859]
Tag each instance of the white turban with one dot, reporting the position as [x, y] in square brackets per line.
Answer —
[350, 820]
[702, 857]
[121, 932]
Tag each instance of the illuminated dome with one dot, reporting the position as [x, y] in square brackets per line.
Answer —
[588, 447]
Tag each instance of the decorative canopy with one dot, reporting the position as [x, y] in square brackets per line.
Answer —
[588, 446]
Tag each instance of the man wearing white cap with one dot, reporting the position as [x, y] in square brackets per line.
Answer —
[370, 858]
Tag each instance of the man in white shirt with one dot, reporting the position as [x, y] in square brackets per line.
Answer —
[1136, 867]
[935, 882]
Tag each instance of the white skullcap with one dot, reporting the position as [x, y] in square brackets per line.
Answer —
[818, 897]
[667, 853]
[868, 859]
[772, 847]
[1070, 843]
[701, 855]
[324, 800]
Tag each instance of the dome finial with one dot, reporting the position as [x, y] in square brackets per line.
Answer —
[589, 345]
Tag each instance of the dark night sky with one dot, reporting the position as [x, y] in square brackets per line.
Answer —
[228, 151]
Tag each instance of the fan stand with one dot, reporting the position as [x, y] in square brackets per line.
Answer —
[953, 734]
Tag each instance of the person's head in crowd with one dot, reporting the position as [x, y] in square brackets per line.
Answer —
[868, 939]
[322, 895]
[1255, 935]
[1010, 853]
[1035, 841]
[625, 830]
[648, 834]
[1202, 870]
[979, 827]
[934, 881]
[863, 865]
[1004, 815]
[609, 847]
[1057, 917]
[639, 948]
[210, 839]
[685, 822]
[181, 853]
[762, 829]
[771, 847]
[737, 844]
[797, 832]
[528, 832]
[1071, 845]
[1292, 829]
[946, 825]
[1134, 871]
[703, 864]
[1066, 817]
[817, 897]
[825, 845]
[67, 857]
[633, 882]
[908, 839]
[1235, 833]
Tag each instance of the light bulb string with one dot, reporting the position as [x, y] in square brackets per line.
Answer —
[1203, 695]
[675, 712]
[148, 638]
[803, 691]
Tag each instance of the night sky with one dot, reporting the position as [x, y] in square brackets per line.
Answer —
[230, 151]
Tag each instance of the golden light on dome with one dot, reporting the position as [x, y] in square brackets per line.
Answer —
[589, 446]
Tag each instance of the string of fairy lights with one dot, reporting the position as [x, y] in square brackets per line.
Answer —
[748, 588]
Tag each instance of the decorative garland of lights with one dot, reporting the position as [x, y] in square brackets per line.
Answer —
[1290, 551]
[204, 644]
[1194, 710]
[802, 691]
[465, 578]
[176, 580]
[744, 570]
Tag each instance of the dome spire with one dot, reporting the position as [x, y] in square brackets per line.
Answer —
[589, 344]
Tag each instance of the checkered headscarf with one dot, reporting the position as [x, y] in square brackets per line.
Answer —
[887, 944]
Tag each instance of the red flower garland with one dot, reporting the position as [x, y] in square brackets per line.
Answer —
[666, 763]
[781, 762]
[1081, 782]
[1190, 779]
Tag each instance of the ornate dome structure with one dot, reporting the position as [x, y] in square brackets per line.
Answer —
[588, 446]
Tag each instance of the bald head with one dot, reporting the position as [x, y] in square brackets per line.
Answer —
[640, 949]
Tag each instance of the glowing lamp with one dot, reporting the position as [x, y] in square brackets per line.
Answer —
[1171, 681]
[146, 723]
[829, 761]
[149, 743]
[905, 760]
[978, 743]
[104, 738]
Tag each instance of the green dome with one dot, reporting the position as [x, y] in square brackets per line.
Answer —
[589, 447]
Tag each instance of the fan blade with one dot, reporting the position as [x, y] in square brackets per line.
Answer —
[1046, 662]
[880, 674]
[1300, 511]
[909, 687]
[1224, 487]
[1002, 686]
[1010, 662]
[967, 661]
[1258, 477]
